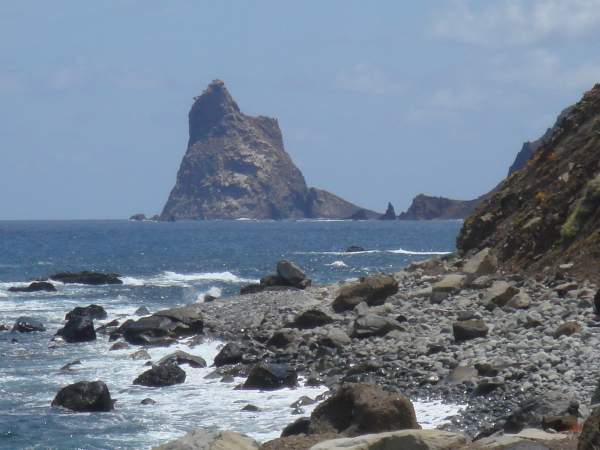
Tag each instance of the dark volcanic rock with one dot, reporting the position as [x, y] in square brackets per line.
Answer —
[465, 330]
[271, 376]
[361, 409]
[78, 329]
[27, 324]
[230, 354]
[180, 357]
[36, 286]
[354, 249]
[85, 277]
[426, 207]
[390, 213]
[92, 311]
[311, 318]
[235, 166]
[373, 290]
[84, 396]
[163, 375]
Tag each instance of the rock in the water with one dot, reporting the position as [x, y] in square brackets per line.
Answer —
[203, 439]
[267, 376]
[140, 354]
[312, 318]
[148, 401]
[589, 439]
[389, 214]
[290, 272]
[163, 375]
[373, 290]
[400, 440]
[465, 330]
[230, 354]
[84, 396]
[27, 325]
[78, 329]
[138, 217]
[354, 249]
[92, 311]
[374, 325]
[36, 286]
[360, 409]
[180, 357]
[119, 346]
[236, 167]
[85, 277]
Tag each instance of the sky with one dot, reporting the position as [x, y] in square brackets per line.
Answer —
[377, 101]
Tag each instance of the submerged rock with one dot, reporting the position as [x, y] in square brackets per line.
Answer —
[84, 396]
[36, 286]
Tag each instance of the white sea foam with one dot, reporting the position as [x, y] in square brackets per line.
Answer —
[214, 291]
[400, 251]
[337, 264]
[168, 278]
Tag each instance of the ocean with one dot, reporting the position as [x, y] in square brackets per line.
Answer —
[164, 265]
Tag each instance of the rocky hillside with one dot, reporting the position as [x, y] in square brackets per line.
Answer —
[236, 166]
[427, 207]
[547, 214]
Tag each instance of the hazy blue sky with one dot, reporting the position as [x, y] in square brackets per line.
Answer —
[378, 101]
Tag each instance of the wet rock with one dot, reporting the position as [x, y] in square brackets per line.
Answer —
[299, 426]
[401, 440]
[180, 357]
[360, 409]
[36, 286]
[92, 311]
[373, 325]
[469, 329]
[148, 401]
[78, 329]
[204, 439]
[290, 272]
[312, 318]
[119, 346]
[303, 401]
[231, 353]
[27, 324]
[567, 329]
[266, 376]
[108, 328]
[142, 311]
[69, 366]
[373, 290]
[84, 396]
[3, 327]
[141, 354]
[163, 375]
[85, 277]
[251, 408]
[354, 249]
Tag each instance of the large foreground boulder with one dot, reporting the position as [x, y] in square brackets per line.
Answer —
[85, 277]
[401, 440]
[84, 396]
[95, 312]
[268, 377]
[36, 286]
[26, 324]
[78, 329]
[162, 375]
[203, 439]
[232, 353]
[482, 263]
[362, 408]
[373, 290]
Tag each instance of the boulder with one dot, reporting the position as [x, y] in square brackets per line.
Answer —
[180, 357]
[142, 311]
[373, 290]
[589, 439]
[140, 354]
[560, 423]
[230, 354]
[91, 311]
[311, 318]
[354, 249]
[36, 286]
[78, 329]
[567, 329]
[360, 409]
[290, 272]
[299, 426]
[401, 440]
[266, 376]
[27, 324]
[499, 294]
[482, 263]
[520, 301]
[85, 277]
[465, 330]
[282, 338]
[119, 346]
[162, 375]
[204, 439]
[84, 396]
[374, 325]
[450, 284]
[148, 401]
[335, 338]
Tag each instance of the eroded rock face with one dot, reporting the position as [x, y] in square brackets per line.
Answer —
[84, 396]
[236, 166]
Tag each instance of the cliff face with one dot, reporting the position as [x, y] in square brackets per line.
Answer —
[236, 166]
[548, 213]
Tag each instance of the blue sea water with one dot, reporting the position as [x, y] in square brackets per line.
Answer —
[164, 265]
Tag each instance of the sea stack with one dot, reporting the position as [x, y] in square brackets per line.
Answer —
[390, 213]
[236, 167]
